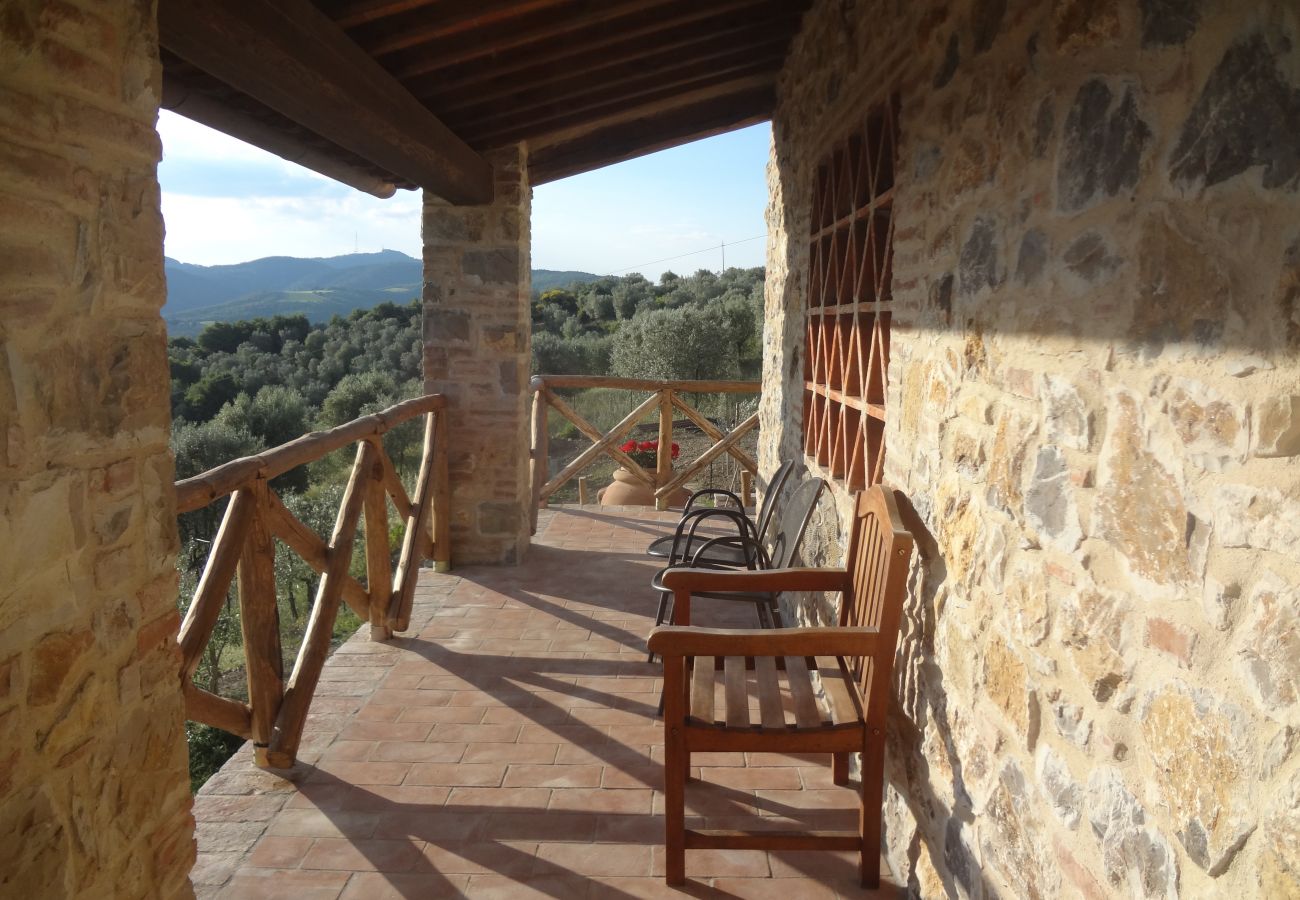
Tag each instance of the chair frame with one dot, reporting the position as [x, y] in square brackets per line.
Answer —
[766, 511]
[873, 584]
[749, 542]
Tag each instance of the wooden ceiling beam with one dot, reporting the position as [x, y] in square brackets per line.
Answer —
[291, 57]
[622, 19]
[742, 79]
[182, 99]
[449, 19]
[351, 13]
[537, 113]
[678, 47]
[649, 134]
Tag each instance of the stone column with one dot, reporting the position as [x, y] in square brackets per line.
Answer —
[94, 792]
[476, 351]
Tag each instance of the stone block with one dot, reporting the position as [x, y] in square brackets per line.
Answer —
[1102, 146]
[1240, 121]
[1269, 648]
[1167, 23]
[1260, 518]
[1049, 500]
[1214, 428]
[1139, 506]
[1067, 417]
[1135, 856]
[52, 660]
[1201, 747]
[1093, 626]
[1064, 794]
[441, 326]
[1168, 637]
[498, 266]
[1277, 429]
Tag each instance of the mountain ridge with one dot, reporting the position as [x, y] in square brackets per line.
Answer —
[319, 287]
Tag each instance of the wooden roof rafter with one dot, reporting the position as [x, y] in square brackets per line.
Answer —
[649, 131]
[411, 92]
[623, 59]
[625, 101]
[292, 58]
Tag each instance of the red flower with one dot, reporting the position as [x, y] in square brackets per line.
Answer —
[628, 447]
[676, 450]
[649, 445]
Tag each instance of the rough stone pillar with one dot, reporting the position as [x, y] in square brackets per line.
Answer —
[476, 351]
[94, 793]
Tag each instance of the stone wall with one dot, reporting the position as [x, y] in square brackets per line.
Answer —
[94, 793]
[1094, 405]
[476, 351]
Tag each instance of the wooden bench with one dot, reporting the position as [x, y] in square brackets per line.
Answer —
[813, 690]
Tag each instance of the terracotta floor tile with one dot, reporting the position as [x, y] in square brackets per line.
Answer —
[509, 747]
[595, 859]
[279, 852]
[542, 826]
[553, 776]
[474, 797]
[715, 863]
[276, 884]
[455, 715]
[468, 774]
[780, 778]
[417, 752]
[431, 824]
[475, 734]
[602, 800]
[482, 857]
[362, 772]
[368, 855]
[536, 754]
[386, 731]
[321, 823]
[393, 886]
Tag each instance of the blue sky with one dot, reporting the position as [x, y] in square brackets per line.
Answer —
[225, 201]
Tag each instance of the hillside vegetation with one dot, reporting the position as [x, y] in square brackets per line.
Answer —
[243, 386]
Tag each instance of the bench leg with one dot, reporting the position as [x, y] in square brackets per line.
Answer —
[676, 763]
[660, 616]
[873, 766]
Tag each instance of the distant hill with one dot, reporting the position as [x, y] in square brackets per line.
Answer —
[320, 288]
[545, 279]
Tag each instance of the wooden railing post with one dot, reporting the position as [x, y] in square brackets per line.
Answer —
[244, 548]
[540, 462]
[259, 619]
[664, 462]
[379, 575]
[746, 487]
[292, 714]
[441, 495]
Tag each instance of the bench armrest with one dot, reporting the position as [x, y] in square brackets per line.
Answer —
[677, 640]
[766, 581]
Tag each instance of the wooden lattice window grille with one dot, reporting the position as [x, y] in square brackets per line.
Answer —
[851, 253]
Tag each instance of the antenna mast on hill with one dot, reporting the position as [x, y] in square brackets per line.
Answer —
[723, 247]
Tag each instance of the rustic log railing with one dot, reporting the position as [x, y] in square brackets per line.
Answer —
[665, 396]
[276, 711]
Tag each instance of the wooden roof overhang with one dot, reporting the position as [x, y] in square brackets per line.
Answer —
[385, 94]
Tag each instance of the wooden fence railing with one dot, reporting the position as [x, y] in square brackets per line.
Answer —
[276, 711]
[665, 396]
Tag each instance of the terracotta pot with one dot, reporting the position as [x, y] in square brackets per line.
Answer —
[628, 491]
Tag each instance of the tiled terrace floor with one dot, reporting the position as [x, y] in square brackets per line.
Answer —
[508, 747]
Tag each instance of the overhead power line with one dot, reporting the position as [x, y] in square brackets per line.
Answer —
[655, 262]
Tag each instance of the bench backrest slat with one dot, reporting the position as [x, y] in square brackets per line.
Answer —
[878, 557]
